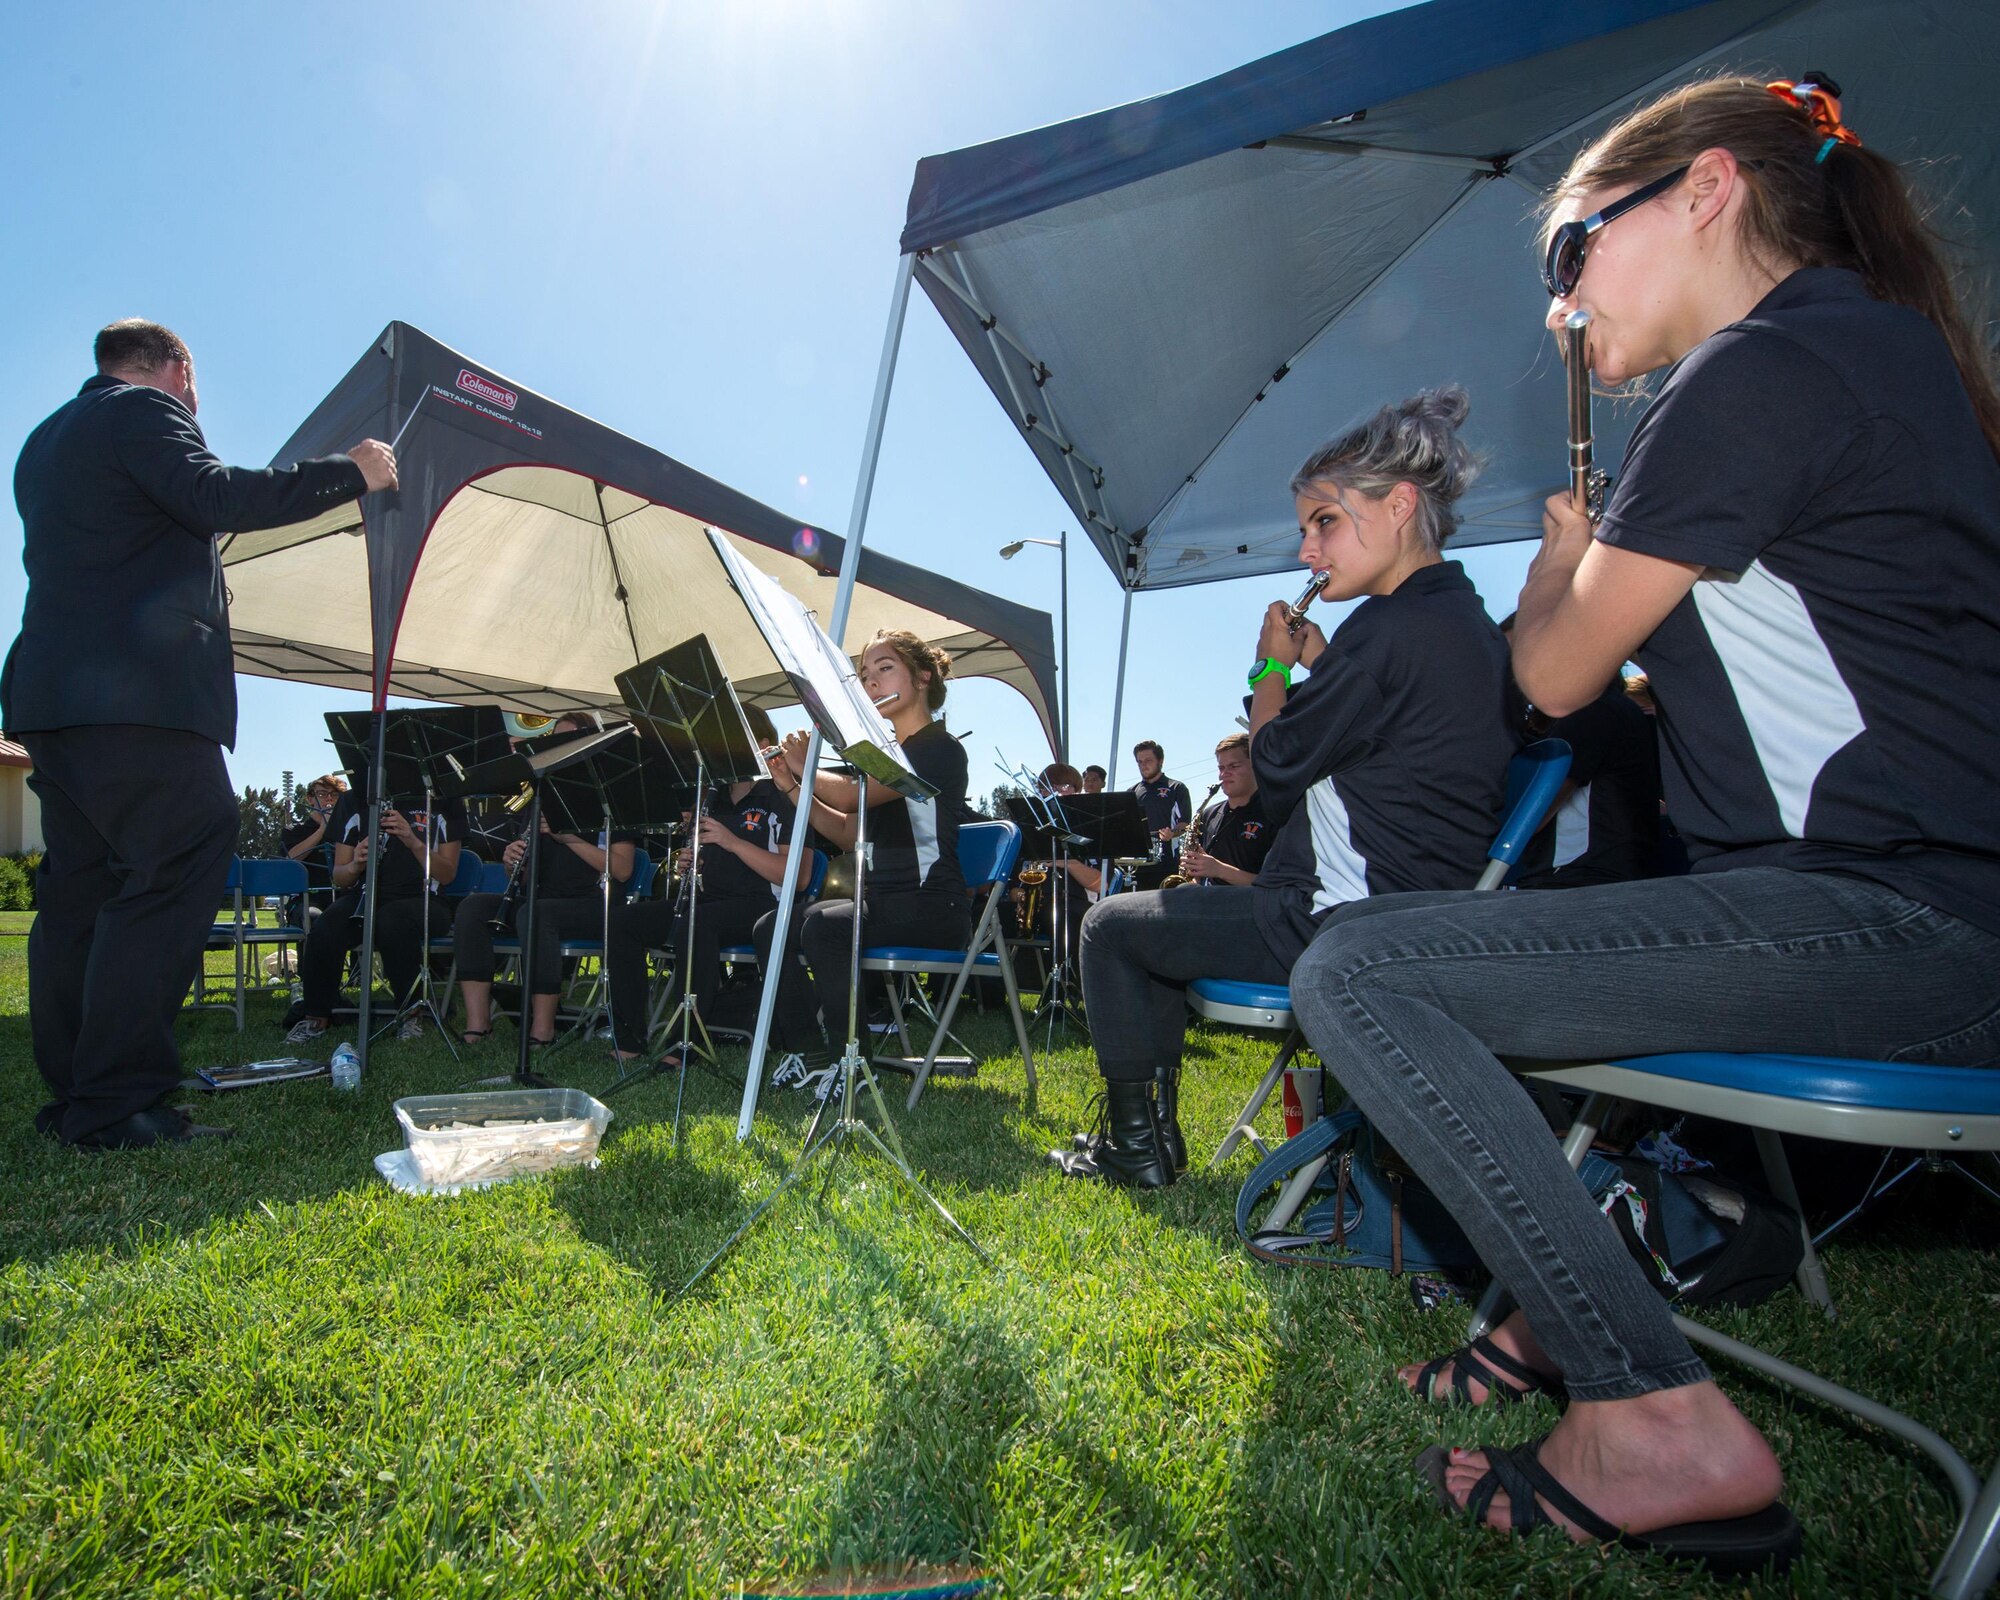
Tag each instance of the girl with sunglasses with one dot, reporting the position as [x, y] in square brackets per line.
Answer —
[1803, 551]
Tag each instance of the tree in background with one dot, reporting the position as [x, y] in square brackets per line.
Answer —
[262, 818]
[995, 805]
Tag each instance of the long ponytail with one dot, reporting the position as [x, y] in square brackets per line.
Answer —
[1810, 201]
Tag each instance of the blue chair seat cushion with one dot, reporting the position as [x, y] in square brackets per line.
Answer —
[934, 958]
[1832, 1080]
[1231, 992]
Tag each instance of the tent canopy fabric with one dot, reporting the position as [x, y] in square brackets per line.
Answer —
[531, 554]
[1177, 300]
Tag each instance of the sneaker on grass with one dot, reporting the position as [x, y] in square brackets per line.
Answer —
[788, 1071]
[305, 1030]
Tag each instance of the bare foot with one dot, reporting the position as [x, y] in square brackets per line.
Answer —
[1514, 1338]
[1673, 1456]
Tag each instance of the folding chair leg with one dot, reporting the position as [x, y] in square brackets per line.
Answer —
[939, 1032]
[1582, 1130]
[1020, 1020]
[1246, 1119]
[1778, 1174]
[895, 988]
[1971, 1562]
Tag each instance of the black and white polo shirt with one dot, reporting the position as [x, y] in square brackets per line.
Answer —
[1387, 767]
[1827, 690]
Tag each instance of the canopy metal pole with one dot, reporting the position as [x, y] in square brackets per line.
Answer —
[1118, 696]
[850, 565]
[374, 837]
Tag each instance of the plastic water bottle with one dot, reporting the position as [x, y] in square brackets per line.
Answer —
[346, 1067]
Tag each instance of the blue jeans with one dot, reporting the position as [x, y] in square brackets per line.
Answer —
[1411, 999]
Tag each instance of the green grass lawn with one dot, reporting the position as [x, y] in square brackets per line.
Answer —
[253, 1369]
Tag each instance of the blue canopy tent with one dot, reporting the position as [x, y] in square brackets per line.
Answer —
[1176, 300]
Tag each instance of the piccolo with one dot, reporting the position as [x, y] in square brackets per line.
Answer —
[882, 700]
[1295, 613]
[1587, 484]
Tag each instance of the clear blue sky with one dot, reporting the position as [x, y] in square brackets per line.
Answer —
[679, 219]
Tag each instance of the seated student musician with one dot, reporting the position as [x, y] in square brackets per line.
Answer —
[1384, 771]
[1790, 548]
[1082, 880]
[915, 892]
[1605, 826]
[401, 896]
[1232, 839]
[310, 840]
[569, 904]
[1093, 779]
[746, 832]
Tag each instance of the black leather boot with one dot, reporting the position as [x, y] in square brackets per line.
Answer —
[1167, 1084]
[1126, 1148]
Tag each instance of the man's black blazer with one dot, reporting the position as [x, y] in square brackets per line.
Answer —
[126, 618]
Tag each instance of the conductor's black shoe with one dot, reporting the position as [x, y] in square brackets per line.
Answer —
[167, 1125]
[1127, 1146]
[48, 1120]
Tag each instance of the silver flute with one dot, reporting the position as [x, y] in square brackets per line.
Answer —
[1588, 484]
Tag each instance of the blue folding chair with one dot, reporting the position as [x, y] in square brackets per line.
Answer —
[1941, 1111]
[249, 883]
[987, 852]
[1534, 778]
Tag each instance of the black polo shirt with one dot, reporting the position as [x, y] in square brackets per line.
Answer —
[1827, 689]
[562, 874]
[400, 873]
[1608, 829]
[763, 817]
[913, 844]
[1387, 767]
[1240, 835]
[1165, 802]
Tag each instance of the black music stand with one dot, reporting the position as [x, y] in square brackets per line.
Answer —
[688, 714]
[423, 752]
[843, 716]
[1097, 827]
[534, 769]
[629, 785]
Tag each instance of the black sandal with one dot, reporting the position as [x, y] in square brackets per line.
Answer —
[1766, 1540]
[472, 1036]
[1486, 1362]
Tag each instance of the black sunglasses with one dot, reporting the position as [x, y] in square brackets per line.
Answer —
[1564, 263]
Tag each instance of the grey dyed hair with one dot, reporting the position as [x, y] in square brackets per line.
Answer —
[1414, 441]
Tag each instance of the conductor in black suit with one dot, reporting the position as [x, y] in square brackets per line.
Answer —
[122, 687]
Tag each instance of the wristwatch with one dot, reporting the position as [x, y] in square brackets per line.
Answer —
[1270, 667]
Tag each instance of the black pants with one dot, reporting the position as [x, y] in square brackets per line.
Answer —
[138, 824]
[576, 917]
[825, 940]
[399, 940]
[662, 924]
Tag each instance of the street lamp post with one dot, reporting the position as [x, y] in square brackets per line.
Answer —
[1060, 544]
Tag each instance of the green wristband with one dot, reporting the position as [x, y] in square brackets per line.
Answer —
[1270, 667]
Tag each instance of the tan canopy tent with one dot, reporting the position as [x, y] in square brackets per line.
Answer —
[532, 554]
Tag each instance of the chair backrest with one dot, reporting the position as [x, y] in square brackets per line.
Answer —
[1534, 778]
[817, 881]
[987, 852]
[492, 876]
[467, 880]
[260, 878]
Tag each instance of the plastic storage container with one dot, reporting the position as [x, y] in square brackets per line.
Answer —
[458, 1139]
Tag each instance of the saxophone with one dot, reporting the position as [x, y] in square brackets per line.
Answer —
[1183, 833]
